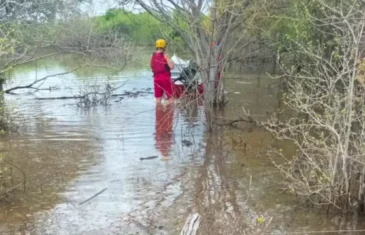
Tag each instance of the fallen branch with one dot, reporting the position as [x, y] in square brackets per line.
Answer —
[31, 85]
[127, 93]
[148, 158]
[19, 61]
[241, 119]
[91, 198]
[237, 120]
[62, 97]
[247, 118]
[130, 93]
[13, 188]
[21, 171]
[9, 190]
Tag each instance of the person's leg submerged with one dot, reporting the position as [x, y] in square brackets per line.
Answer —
[168, 89]
[158, 91]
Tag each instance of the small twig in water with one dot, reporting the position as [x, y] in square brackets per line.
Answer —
[148, 158]
[239, 119]
[91, 198]
[31, 85]
[249, 189]
[21, 171]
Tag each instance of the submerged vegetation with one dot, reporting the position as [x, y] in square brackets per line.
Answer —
[317, 47]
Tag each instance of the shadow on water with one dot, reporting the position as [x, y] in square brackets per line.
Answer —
[84, 174]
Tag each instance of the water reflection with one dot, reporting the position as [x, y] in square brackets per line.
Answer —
[69, 156]
[119, 135]
[219, 196]
[190, 108]
[164, 129]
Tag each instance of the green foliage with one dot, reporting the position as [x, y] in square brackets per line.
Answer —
[325, 36]
[140, 28]
[302, 24]
[290, 27]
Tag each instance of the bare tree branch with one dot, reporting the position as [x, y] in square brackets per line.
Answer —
[31, 85]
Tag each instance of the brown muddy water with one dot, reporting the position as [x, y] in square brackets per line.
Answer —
[84, 174]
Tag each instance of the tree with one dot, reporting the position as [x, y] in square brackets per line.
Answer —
[78, 37]
[141, 28]
[28, 41]
[36, 10]
[34, 30]
[327, 98]
[21, 33]
[200, 24]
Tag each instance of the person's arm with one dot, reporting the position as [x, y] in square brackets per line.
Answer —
[169, 61]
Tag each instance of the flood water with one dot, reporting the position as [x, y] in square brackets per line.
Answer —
[83, 173]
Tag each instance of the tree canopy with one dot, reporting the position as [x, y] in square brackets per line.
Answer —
[37, 10]
[141, 28]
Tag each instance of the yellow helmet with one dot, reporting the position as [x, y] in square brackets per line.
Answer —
[160, 43]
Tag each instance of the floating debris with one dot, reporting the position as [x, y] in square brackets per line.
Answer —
[148, 158]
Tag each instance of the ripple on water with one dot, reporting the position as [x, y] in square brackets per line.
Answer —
[85, 166]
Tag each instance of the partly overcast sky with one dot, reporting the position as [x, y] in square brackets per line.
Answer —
[99, 7]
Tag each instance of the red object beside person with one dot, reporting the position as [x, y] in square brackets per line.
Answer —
[178, 90]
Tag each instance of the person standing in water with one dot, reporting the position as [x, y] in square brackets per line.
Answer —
[161, 65]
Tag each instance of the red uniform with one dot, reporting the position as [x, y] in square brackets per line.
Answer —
[161, 75]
